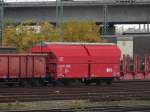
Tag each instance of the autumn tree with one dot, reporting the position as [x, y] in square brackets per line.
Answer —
[23, 36]
[49, 32]
[19, 36]
[15, 38]
[81, 31]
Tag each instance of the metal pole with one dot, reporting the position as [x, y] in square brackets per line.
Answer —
[148, 23]
[144, 27]
[148, 27]
[105, 19]
[140, 27]
[57, 13]
[61, 21]
[148, 20]
[1, 21]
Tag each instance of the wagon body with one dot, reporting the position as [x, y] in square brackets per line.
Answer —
[14, 66]
[104, 61]
[88, 61]
[66, 61]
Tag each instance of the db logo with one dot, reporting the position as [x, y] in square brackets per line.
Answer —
[108, 69]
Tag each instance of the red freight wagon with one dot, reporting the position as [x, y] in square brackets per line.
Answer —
[88, 61]
[22, 66]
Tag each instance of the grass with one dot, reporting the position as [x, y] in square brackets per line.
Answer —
[12, 106]
[69, 104]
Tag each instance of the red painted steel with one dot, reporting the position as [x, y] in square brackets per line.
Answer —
[81, 61]
[22, 65]
[105, 70]
[105, 61]
[104, 53]
[3, 66]
[146, 64]
[138, 73]
[72, 70]
[14, 66]
[39, 66]
[141, 70]
[64, 53]
[124, 63]
[66, 61]
[128, 76]
[127, 72]
[147, 67]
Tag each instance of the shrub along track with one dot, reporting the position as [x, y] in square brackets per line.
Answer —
[137, 90]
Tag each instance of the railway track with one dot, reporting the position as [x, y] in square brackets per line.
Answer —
[94, 109]
[116, 92]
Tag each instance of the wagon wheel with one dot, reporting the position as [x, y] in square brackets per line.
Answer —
[54, 83]
[33, 82]
[66, 82]
[42, 82]
[22, 83]
[98, 82]
[108, 81]
[87, 82]
[10, 84]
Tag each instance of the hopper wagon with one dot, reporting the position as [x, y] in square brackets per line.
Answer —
[86, 62]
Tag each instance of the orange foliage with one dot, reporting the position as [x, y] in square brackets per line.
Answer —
[23, 37]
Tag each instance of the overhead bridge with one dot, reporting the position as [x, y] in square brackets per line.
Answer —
[110, 11]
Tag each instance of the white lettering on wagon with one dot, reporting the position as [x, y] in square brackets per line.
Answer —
[68, 66]
[64, 68]
[109, 70]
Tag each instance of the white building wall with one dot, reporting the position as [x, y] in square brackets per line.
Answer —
[126, 46]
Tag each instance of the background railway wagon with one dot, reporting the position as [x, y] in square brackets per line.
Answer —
[22, 66]
[81, 61]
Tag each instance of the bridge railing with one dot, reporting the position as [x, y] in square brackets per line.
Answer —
[91, 1]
